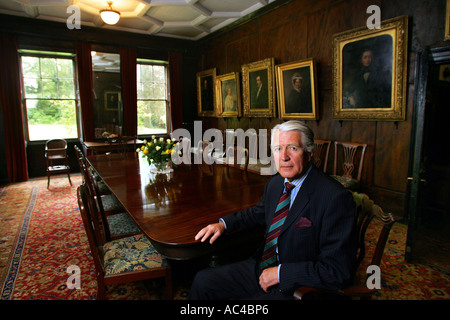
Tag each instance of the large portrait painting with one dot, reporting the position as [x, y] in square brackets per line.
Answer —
[370, 72]
[258, 83]
[206, 93]
[228, 95]
[296, 89]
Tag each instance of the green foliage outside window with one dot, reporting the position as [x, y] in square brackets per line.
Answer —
[152, 99]
[49, 97]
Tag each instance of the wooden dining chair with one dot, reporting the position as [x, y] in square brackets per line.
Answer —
[237, 157]
[56, 158]
[348, 163]
[321, 152]
[367, 214]
[120, 261]
[81, 159]
[126, 144]
[116, 222]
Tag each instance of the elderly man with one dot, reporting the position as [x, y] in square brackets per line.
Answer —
[310, 230]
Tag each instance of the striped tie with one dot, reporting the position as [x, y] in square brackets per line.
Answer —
[269, 255]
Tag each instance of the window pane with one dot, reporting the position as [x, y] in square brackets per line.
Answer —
[49, 88]
[159, 73]
[32, 87]
[48, 119]
[30, 67]
[66, 89]
[49, 93]
[160, 91]
[152, 117]
[152, 99]
[48, 68]
[146, 73]
[65, 69]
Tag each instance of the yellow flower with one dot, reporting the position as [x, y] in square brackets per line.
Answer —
[145, 151]
[142, 148]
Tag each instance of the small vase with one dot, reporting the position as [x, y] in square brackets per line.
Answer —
[160, 167]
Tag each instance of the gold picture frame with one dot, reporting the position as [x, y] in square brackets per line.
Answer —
[369, 72]
[228, 95]
[447, 21]
[206, 95]
[296, 89]
[112, 100]
[258, 82]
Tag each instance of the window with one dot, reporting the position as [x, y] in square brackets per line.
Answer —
[49, 95]
[152, 103]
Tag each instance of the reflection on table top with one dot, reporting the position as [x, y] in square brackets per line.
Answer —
[172, 208]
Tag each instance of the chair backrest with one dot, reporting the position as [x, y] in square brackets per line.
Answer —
[238, 157]
[122, 144]
[127, 144]
[347, 152]
[95, 198]
[321, 152]
[92, 228]
[366, 212]
[55, 148]
[80, 159]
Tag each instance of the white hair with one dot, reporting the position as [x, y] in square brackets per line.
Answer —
[295, 125]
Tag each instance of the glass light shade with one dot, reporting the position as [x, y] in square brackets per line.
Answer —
[110, 16]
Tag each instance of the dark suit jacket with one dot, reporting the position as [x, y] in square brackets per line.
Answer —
[317, 244]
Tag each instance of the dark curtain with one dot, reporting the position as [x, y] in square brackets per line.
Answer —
[176, 89]
[85, 84]
[10, 101]
[128, 57]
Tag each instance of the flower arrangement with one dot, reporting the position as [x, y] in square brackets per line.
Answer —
[158, 151]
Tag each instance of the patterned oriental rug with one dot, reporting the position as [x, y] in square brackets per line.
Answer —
[42, 234]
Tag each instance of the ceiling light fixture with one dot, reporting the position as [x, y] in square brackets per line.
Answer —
[110, 16]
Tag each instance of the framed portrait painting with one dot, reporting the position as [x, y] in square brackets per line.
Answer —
[206, 96]
[228, 95]
[369, 72]
[258, 82]
[112, 100]
[296, 88]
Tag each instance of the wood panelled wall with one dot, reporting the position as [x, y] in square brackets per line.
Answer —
[303, 29]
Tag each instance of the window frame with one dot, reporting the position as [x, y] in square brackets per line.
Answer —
[55, 55]
[165, 64]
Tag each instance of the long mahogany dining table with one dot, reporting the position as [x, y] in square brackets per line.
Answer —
[171, 208]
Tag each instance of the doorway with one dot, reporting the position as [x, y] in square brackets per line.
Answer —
[429, 222]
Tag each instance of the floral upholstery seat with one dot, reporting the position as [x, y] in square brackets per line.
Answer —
[122, 224]
[348, 183]
[131, 254]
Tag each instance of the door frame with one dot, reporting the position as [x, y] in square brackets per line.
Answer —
[416, 182]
